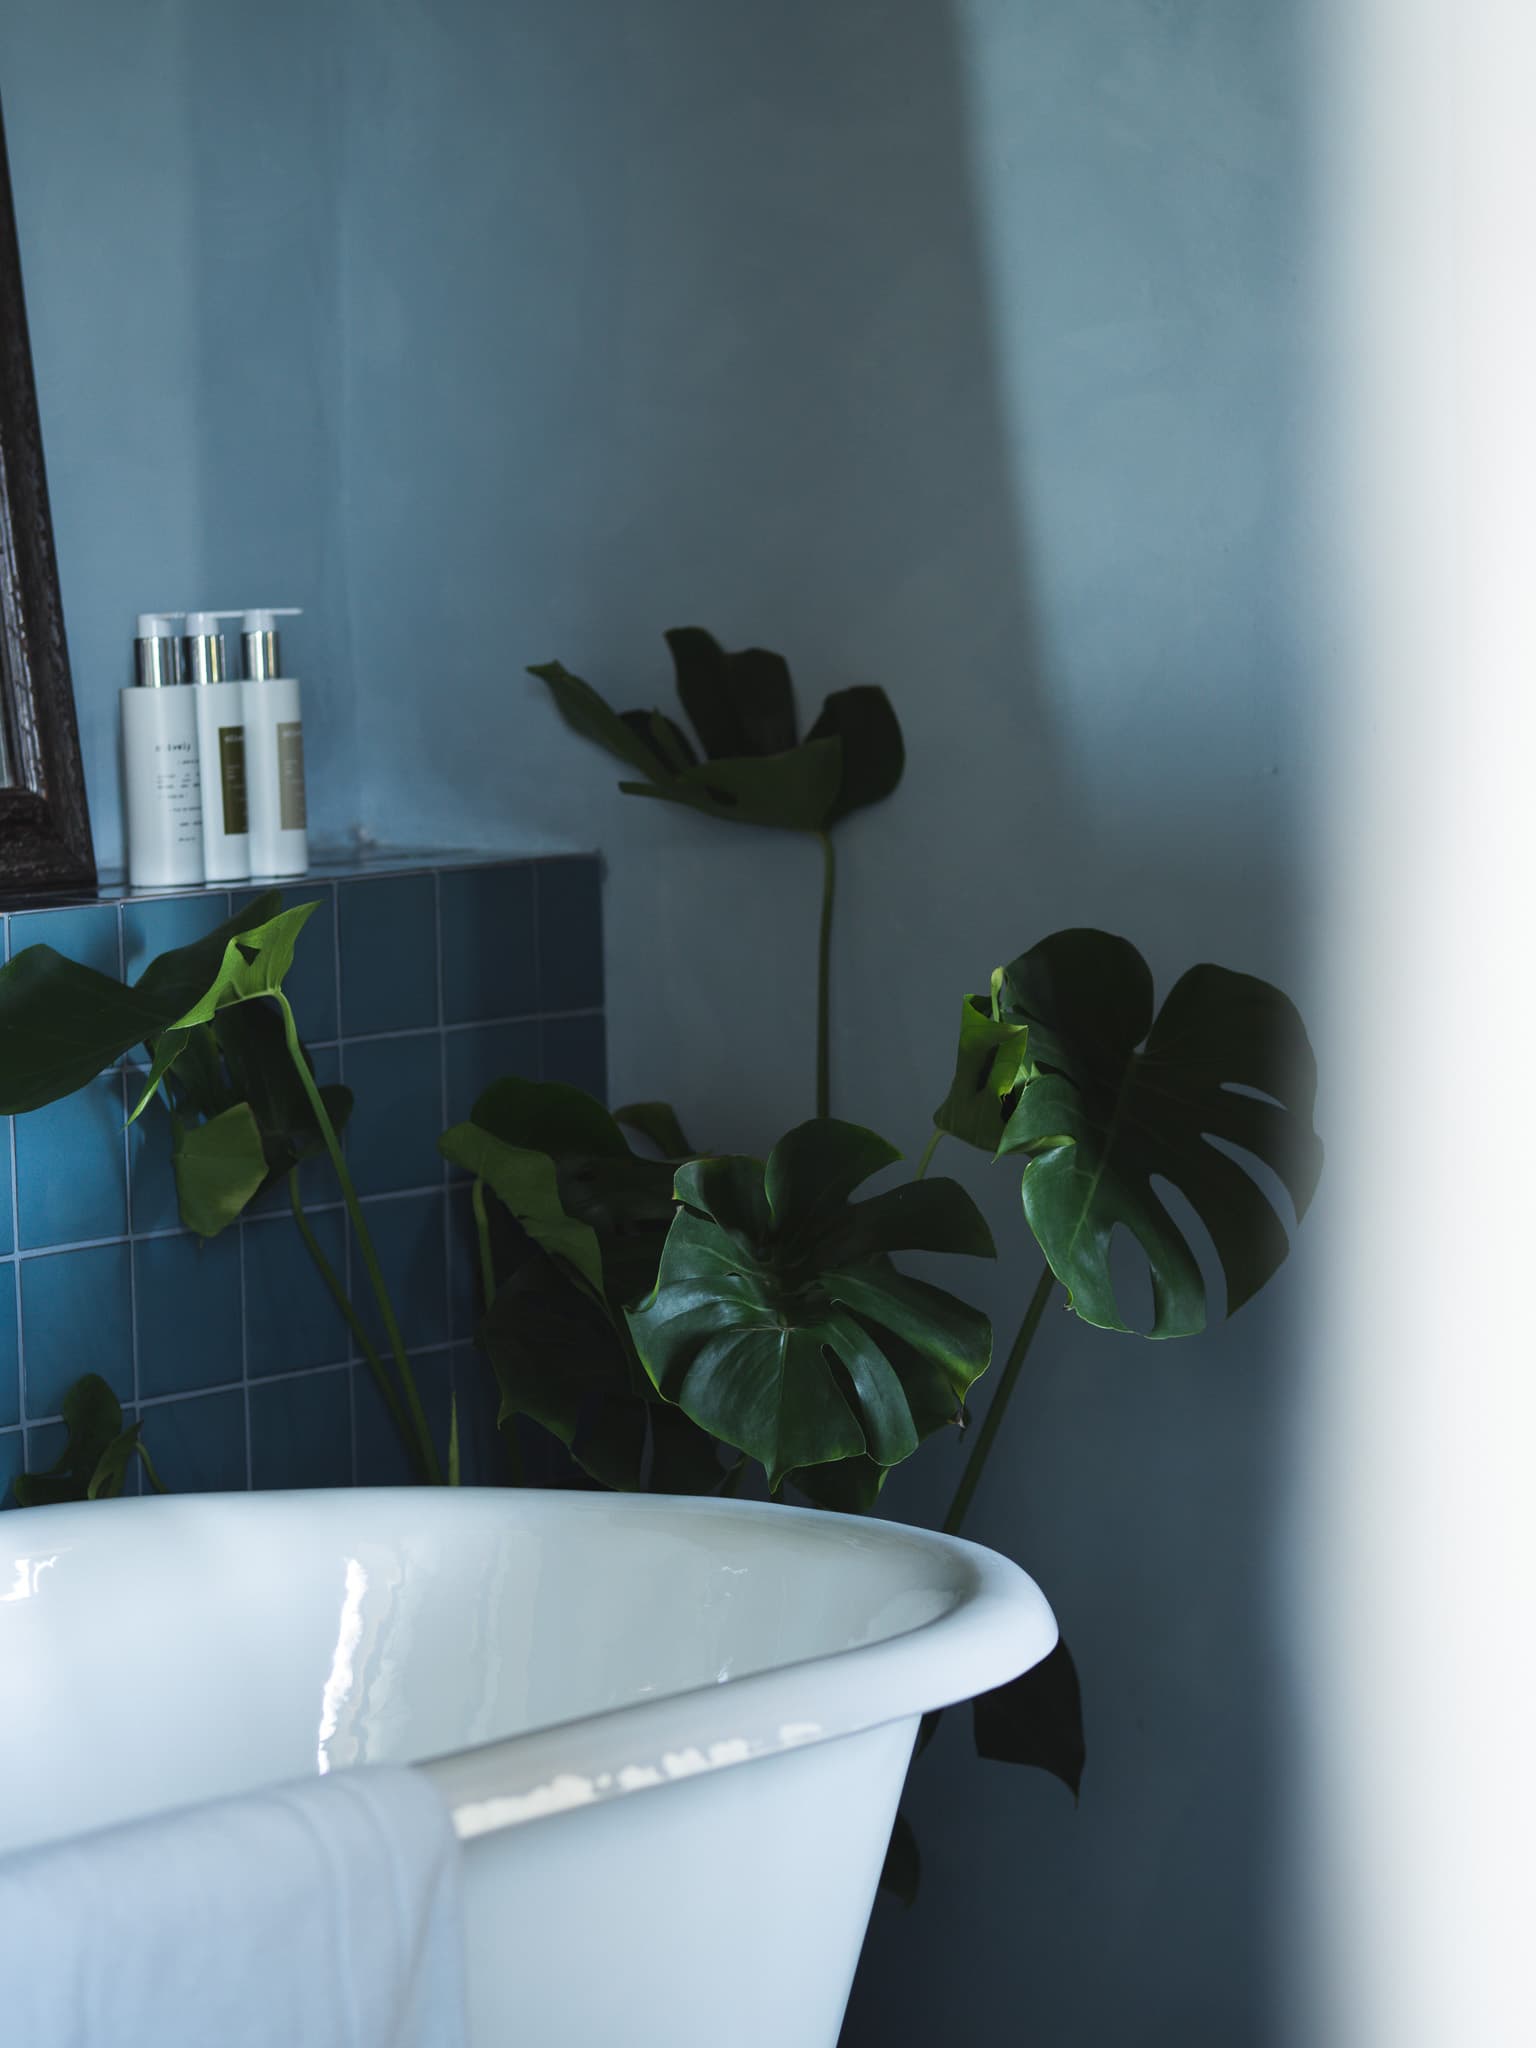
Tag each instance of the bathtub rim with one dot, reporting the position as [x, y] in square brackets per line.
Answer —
[997, 1626]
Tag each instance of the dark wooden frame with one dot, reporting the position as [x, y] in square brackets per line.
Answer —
[45, 825]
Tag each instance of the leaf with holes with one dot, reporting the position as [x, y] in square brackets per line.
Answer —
[778, 1322]
[1122, 1098]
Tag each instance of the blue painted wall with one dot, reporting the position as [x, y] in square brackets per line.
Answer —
[960, 347]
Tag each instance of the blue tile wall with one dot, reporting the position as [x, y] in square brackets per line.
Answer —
[416, 986]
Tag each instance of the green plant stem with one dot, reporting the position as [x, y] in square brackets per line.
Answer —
[976, 1464]
[929, 1149]
[431, 1468]
[483, 1238]
[824, 979]
[338, 1294]
[512, 1448]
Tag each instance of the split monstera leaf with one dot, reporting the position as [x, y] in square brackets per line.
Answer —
[747, 763]
[1065, 1065]
[751, 1299]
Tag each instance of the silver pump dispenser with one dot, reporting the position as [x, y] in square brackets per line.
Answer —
[154, 650]
[260, 650]
[202, 647]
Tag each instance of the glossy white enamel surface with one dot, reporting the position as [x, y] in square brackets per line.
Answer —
[672, 1733]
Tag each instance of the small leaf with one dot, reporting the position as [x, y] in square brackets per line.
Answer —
[902, 1871]
[220, 1167]
[547, 1116]
[93, 1421]
[991, 1067]
[1036, 1719]
[763, 1341]
[558, 1359]
[873, 755]
[453, 1440]
[526, 1182]
[657, 1123]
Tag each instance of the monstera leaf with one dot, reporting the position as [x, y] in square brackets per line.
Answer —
[1120, 1100]
[778, 1322]
[749, 767]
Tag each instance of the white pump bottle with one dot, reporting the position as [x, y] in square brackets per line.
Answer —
[220, 708]
[162, 806]
[274, 749]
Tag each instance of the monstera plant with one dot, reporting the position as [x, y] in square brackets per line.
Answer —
[692, 1321]
[777, 1320]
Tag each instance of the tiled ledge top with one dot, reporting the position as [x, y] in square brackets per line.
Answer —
[335, 865]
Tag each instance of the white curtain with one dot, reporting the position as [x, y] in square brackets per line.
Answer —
[1416, 1632]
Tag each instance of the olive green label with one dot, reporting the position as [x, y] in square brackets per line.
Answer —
[237, 817]
[292, 814]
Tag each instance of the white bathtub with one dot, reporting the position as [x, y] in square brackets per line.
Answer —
[672, 1733]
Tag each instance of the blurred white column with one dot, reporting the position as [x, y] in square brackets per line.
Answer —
[1418, 1628]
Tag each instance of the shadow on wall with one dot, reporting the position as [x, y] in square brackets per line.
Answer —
[945, 348]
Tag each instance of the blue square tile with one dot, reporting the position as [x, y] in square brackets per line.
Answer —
[570, 934]
[154, 925]
[301, 1431]
[409, 1235]
[71, 1180]
[12, 1461]
[489, 941]
[291, 1322]
[575, 1050]
[310, 985]
[76, 1317]
[7, 1213]
[317, 1177]
[382, 1459]
[187, 1298]
[152, 1200]
[198, 1442]
[10, 1370]
[87, 933]
[397, 1112]
[388, 938]
[484, 1053]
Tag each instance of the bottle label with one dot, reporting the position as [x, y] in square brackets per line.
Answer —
[237, 817]
[292, 815]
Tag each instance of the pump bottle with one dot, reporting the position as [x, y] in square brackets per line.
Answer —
[162, 801]
[274, 749]
[220, 709]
